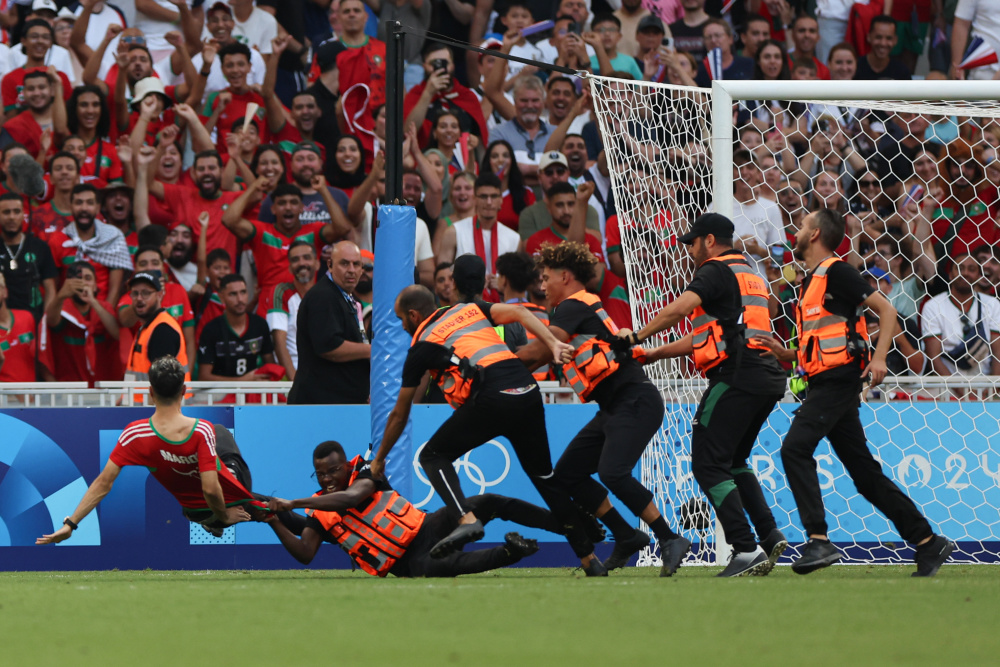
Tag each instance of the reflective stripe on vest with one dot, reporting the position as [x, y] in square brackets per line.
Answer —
[542, 372]
[377, 534]
[824, 338]
[710, 338]
[465, 331]
[593, 359]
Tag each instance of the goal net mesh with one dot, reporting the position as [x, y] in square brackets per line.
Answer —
[919, 185]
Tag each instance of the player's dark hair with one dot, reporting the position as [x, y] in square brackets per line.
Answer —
[831, 227]
[562, 188]
[437, 269]
[418, 298]
[36, 74]
[35, 23]
[605, 17]
[430, 47]
[489, 180]
[324, 449]
[11, 196]
[286, 190]
[571, 256]
[152, 235]
[73, 120]
[209, 153]
[231, 278]
[67, 155]
[148, 248]
[216, 255]
[166, 378]
[80, 188]
[518, 268]
[882, 18]
[232, 49]
[298, 243]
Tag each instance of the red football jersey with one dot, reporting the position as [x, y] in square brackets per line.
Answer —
[187, 204]
[102, 162]
[177, 465]
[12, 87]
[270, 251]
[18, 346]
[234, 111]
[82, 349]
[549, 235]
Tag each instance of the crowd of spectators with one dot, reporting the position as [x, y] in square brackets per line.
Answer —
[234, 152]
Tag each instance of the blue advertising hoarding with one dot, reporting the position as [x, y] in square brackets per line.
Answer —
[939, 453]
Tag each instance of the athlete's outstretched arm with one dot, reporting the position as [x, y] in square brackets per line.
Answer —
[393, 429]
[338, 501]
[212, 490]
[94, 495]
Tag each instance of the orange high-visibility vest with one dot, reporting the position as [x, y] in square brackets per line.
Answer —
[542, 372]
[466, 332]
[138, 359]
[593, 358]
[711, 339]
[827, 341]
[376, 533]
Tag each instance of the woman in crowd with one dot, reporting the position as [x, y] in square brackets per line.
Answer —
[499, 160]
[446, 136]
[771, 64]
[843, 62]
[461, 205]
[89, 118]
[169, 169]
[268, 162]
[347, 169]
[438, 160]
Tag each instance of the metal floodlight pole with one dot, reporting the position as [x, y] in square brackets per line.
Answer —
[394, 92]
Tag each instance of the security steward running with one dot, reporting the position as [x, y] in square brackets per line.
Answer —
[602, 369]
[727, 302]
[383, 533]
[493, 395]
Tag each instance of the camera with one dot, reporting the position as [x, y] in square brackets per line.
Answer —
[575, 28]
[439, 64]
[667, 42]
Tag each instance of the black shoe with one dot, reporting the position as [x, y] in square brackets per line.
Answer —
[519, 547]
[746, 563]
[816, 555]
[672, 552]
[592, 527]
[596, 568]
[458, 538]
[626, 549]
[773, 545]
[931, 556]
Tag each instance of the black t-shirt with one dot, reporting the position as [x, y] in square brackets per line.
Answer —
[719, 290]
[232, 355]
[575, 317]
[163, 341]
[846, 289]
[24, 284]
[894, 70]
[426, 356]
[364, 472]
[326, 320]
[688, 38]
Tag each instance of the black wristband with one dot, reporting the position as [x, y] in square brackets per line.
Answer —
[69, 522]
[634, 338]
[204, 73]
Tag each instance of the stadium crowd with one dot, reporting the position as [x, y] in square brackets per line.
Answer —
[221, 161]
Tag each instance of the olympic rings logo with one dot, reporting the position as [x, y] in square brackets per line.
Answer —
[473, 471]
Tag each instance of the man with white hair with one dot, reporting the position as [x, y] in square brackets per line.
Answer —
[526, 132]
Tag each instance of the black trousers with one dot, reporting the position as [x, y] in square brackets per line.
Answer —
[521, 419]
[831, 410]
[610, 445]
[417, 561]
[723, 432]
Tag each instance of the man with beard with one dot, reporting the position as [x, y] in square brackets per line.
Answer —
[835, 354]
[989, 258]
[306, 165]
[235, 344]
[553, 168]
[879, 64]
[38, 37]
[189, 203]
[526, 132]
[149, 259]
[964, 220]
[223, 108]
[575, 150]
[180, 240]
[219, 23]
[284, 301]
[960, 327]
[334, 353]
[90, 240]
[270, 243]
[160, 335]
[25, 261]
[116, 208]
[290, 127]
[444, 285]
[82, 331]
[45, 112]
[566, 111]
[566, 207]
[55, 214]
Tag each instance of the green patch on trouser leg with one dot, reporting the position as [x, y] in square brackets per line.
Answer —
[717, 494]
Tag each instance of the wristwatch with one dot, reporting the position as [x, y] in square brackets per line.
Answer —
[69, 522]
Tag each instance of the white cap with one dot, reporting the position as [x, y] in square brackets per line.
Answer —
[550, 158]
[67, 14]
[44, 4]
[147, 87]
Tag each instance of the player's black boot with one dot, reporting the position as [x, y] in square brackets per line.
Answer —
[596, 568]
[773, 545]
[816, 555]
[458, 538]
[519, 547]
[672, 552]
[931, 556]
[626, 549]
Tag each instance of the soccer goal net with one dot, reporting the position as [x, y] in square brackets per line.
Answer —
[918, 181]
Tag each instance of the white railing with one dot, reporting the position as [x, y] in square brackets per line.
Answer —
[132, 393]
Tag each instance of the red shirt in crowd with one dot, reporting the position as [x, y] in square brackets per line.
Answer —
[82, 349]
[506, 215]
[979, 226]
[18, 346]
[25, 130]
[64, 253]
[614, 296]
[270, 251]
[12, 87]
[47, 219]
[187, 204]
[177, 465]
[102, 162]
[211, 309]
[549, 235]
[234, 111]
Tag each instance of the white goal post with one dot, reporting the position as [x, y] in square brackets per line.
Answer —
[670, 154]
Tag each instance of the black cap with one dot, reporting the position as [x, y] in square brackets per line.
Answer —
[469, 275]
[709, 223]
[650, 22]
[327, 52]
[152, 277]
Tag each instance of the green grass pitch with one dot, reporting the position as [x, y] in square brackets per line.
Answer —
[851, 615]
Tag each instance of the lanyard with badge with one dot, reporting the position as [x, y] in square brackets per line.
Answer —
[355, 306]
